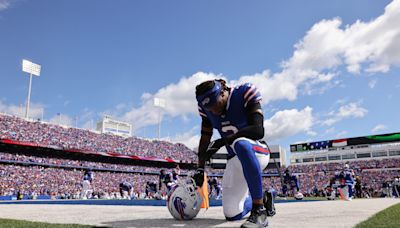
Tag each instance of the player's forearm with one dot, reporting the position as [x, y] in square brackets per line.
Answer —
[251, 132]
[254, 131]
[204, 141]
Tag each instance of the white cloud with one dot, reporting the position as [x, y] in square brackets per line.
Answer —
[288, 122]
[180, 97]
[89, 125]
[283, 124]
[180, 100]
[317, 57]
[35, 109]
[379, 127]
[375, 43]
[314, 66]
[341, 101]
[4, 4]
[62, 119]
[372, 83]
[190, 138]
[87, 118]
[12, 109]
[271, 87]
[351, 110]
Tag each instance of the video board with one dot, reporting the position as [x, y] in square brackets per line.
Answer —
[320, 145]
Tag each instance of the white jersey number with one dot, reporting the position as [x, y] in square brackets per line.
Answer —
[229, 128]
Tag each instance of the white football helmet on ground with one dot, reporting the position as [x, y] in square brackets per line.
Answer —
[299, 196]
[184, 201]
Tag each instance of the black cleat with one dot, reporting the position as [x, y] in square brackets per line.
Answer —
[257, 219]
[269, 203]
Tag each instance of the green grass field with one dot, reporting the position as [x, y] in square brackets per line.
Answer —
[390, 217]
[10, 223]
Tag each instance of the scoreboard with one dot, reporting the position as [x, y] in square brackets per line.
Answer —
[108, 125]
[327, 144]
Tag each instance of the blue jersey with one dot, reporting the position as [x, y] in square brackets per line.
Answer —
[174, 175]
[125, 186]
[88, 176]
[349, 176]
[294, 182]
[234, 118]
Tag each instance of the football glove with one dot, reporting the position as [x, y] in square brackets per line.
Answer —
[212, 148]
[198, 177]
[215, 145]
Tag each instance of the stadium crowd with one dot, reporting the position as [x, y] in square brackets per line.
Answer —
[66, 183]
[18, 129]
[75, 163]
[375, 175]
[63, 177]
[357, 165]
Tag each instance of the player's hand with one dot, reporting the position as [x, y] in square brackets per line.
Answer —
[198, 177]
[212, 148]
[215, 145]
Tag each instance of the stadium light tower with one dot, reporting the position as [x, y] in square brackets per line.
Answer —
[32, 69]
[160, 103]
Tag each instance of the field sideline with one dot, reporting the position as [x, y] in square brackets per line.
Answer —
[296, 214]
[386, 218]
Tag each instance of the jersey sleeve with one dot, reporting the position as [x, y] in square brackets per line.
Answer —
[205, 120]
[202, 113]
[251, 94]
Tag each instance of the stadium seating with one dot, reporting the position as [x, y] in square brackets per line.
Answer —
[18, 129]
[33, 175]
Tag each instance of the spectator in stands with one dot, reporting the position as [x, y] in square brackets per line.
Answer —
[18, 129]
[358, 187]
[38, 178]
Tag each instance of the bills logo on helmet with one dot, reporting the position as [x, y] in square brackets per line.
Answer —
[205, 101]
[184, 201]
[180, 206]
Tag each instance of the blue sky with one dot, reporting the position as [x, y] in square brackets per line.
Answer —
[326, 70]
